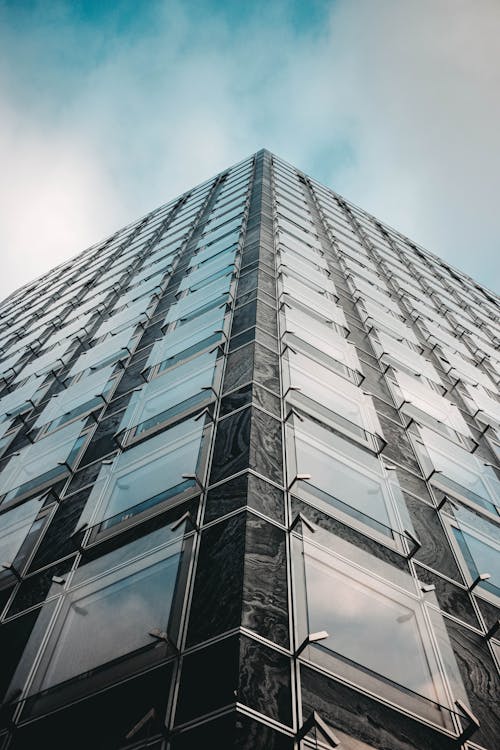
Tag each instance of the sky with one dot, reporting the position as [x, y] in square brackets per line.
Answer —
[110, 109]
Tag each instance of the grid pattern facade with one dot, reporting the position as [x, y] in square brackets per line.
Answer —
[250, 484]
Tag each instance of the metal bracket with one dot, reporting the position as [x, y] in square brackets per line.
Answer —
[316, 722]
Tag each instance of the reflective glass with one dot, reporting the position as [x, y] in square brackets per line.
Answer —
[40, 462]
[419, 400]
[146, 475]
[350, 408]
[195, 303]
[14, 527]
[53, 359]
[345, 480]
[20, 399]
[188, 338]
[460, 471]
[133, 313]
[379, 318]
[113, 348]
[87, 634]
[481, 555]
[76, 399]
[399, 354]
[181, 388]
[463, 370]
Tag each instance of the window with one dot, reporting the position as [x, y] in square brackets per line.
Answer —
[52, 359]
[380, 637]
[21, 399]
[136, 312]
[182, 389]
[476, 540]
[344, 480]
[188, 339]
[77, 399]
[154, 473]
[86, 635]
[115, 347]
[196, 303]
[421, 402]
[451, 468]
[401, 356]
[41, 463]
[330, 398]
[15, 525]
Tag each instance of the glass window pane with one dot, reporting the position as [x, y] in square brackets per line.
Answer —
[14, 527]
[76, 399]
[133, 313]
[163, 398]
[186, 339]
[114, 347]
[41, 461]
[21, 398]
[147, 474]
[195, 302]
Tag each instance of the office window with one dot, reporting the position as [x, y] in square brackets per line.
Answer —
[21, 398]
[77, 399]
[196, 303]
[134, 313]
[115, 347]
[345, 480]
[417, 400]
[15, 525]
[86, 635]
[41, 463]
[182, 389]
[189, 338]
[147, 477]
[478, 545]
[380, 637]
[313, 387]
[451, 468]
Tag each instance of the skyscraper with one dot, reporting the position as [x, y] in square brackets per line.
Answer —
[249, 485]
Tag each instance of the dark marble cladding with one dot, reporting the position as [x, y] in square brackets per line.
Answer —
[399, 448]
[365, 718]
[451, 599]
[265, 597]
[265, 680]
[217, 598]
[261, 337]
[349, 534]
[266, 368]
[266, 456]
[413, 484]
[239, 367]
[244, 317]
[58, 541]
[232, 732]
[14, 636]
[266, 318]
[209, 680]
[103, 721]
[232, 445]
[83, 477]
[247, 282]
[245, 489]
[266, 400]
[236, 399]
[481, 681]
[435, 550]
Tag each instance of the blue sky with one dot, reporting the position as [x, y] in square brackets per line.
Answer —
[108, 109]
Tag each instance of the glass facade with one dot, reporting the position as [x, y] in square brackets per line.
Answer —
[250, 484]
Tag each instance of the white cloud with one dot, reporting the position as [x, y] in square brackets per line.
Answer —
[392, 104]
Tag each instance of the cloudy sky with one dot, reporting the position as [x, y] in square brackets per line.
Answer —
[108, 109]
